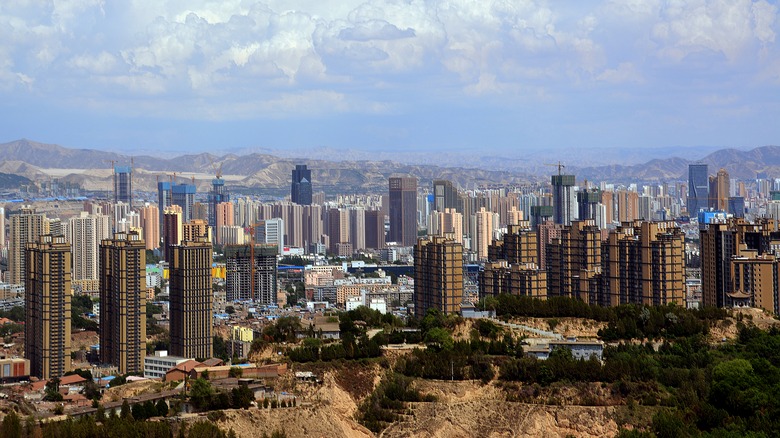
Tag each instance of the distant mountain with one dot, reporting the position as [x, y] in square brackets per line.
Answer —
[270, 173]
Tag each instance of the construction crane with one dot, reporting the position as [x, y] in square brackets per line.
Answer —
[559, 165]
[217, 169]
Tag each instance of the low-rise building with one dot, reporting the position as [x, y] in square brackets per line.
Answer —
[156, 366]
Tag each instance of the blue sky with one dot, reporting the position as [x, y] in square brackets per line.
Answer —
[493, 77]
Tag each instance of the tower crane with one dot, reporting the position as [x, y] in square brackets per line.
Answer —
[559, 165]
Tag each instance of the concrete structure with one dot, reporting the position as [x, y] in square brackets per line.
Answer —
[123, 302]
[157, 365]
[183, 195]
[445, 196]
[403, 211]
[150, 222]
[85, 232]
[47, 340]
[238, 273]
[25, 227]
[719, 191]
[301, 187]
[563, 210]
[191, 299]
[173, 230]
[14, 369]
[438, 275]
[123, 184]
[217, 195]
[573, 260]
[224, 217]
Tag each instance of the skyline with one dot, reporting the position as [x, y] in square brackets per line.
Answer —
[505, 77]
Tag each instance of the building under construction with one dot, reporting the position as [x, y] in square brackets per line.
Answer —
[240, 283]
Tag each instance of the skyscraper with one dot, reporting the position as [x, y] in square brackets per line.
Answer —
[47, 306]
[191, 299]
[719, 191]
[238, 273]
[403, 211]
[225, 217]
[563, 212]
[163, 200]
[217, 195]
[150, 222]
[173, 230]
[123, 302]
[375, 229]
[123, 184]
[85, 232]
[445, 195]
[438, 275]
[25, 227]
[698, 188]
[270, 231]
[183, 195]
[301, 190]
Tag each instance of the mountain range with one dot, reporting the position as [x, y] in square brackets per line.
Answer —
[270, 173]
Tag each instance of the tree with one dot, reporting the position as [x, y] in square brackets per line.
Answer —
[230, 310]
[162, 408]
[91, 390]
[201, 392]
[11, 426]
[205, 429]
[52, 390]
[242, 397]
[138, 412]
[125, 412]
[236, 372]
[439, 336]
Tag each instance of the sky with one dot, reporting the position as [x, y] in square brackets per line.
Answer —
[501, 78]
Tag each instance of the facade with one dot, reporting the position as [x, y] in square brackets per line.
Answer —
[191, 299]
[375, 229]
[195, 229]
[173, 230]
[238, 273]
[225, 217]
[301, 188]
[156, 366]
[183, 195]
[47, 342]
[25, 227]
[563, 211]
[85, 233]
[438, 275]
[164, 195]
[217, 195]
[403, 211]
[123, 302]
[445, 195]
[270, 232]
[698, 188]
[573, 260]
[150, 222]
[123, 184]
[719, 191]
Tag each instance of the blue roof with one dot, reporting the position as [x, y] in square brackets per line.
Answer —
[122, 169]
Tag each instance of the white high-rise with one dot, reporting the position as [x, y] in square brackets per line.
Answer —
[85, 232]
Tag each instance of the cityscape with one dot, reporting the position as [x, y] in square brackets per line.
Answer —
[378, 218]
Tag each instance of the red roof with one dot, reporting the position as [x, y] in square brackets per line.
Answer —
[73, 379]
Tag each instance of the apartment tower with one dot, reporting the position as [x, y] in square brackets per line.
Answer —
[191, 299]
[123, 302]
[47, 306]
[438, 275]
[25, 227]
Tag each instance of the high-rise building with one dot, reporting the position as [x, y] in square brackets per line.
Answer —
[573, 260]
[238, 273]
[195, 229]
[484, 222]
[47, 284]
[403, 211]
[719, 191]
[563, 210]
[85, 232]
[588, 202]
[271, 232]
[25, 227]
[173, 230]
[447, 222]
[164, 195]
[191, 299]
[643, 263]
[150, 222]
[375, 229]
[357, 228]
[301, 189]
[698, 188]
[438, 275]
[2, 228]
[183, 195]
[123, 184]
[123, 302]
[628, 206]
[445, 195]
[338, 228]
[225, 215]
[217, 195]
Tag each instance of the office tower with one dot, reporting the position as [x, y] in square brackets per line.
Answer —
[438, 275]
[403, 211]
[301, 190]
[25, 227]
[737, 206]
[225, 214]
[173, 230]
[357, 228]
[719, 191]
[270, 232]
[47, 306]
[195, 229]
[587, 203]
[183, 195]
[698, 188]
[123, 302]
[562, 198]
[484, 223]
[85, 232]
[163, 200]
[375, 229]
[238, 273]
[445, 195]
[643, 263]
[573, 260]
[123, 184]
[150, 222]
[217, 195]
[191, 299]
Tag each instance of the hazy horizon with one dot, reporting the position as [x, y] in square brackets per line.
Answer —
[503, 79]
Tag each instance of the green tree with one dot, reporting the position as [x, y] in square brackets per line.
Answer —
[52, 390]
[236, 372]
[125, 412]
[201, 393]
[439, 337]
[205, 429]
[162, 408]
[11, 426]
